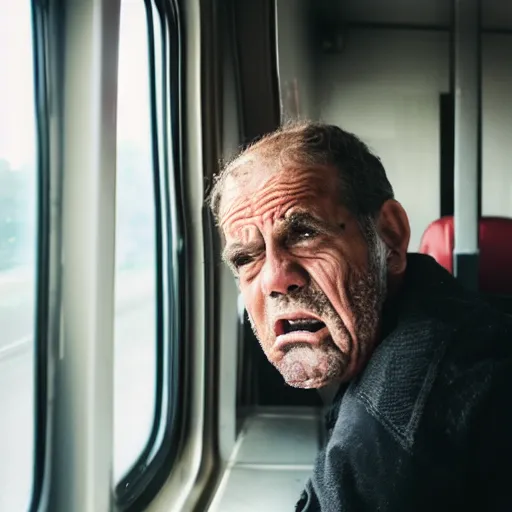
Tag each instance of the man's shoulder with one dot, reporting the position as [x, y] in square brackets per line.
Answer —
[465, 326]
[443, 355]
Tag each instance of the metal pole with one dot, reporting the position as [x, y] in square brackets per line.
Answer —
[467, 118]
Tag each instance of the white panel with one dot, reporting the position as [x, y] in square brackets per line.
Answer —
[385, 88]
[496, 126]
[81, 478]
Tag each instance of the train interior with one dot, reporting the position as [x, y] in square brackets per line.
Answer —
[128, 369]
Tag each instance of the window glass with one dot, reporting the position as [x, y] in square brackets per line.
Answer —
[17, 253]
[135, 295]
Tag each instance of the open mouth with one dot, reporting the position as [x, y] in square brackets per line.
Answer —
[287, 326]
[298, 323]
[299, 328]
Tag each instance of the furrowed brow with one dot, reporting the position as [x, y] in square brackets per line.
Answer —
[230, 251]
[236, 249]
[306, 219]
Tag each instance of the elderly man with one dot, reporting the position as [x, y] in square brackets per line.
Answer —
[422, 419]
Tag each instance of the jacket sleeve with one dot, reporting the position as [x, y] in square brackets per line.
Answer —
[368, 467]
[365, 466]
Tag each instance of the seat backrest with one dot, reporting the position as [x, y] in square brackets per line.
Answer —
[495, 242]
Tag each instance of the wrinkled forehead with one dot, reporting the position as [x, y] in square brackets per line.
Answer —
[258, 188]
[249, 173]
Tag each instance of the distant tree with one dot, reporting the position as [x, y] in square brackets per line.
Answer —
[16, 215]
[135, 206]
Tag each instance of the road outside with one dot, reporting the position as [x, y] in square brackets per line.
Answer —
[134, 378]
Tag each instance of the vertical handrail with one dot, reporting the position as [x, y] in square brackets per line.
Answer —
[467, 140]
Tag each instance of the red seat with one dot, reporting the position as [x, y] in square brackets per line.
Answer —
[495, 241]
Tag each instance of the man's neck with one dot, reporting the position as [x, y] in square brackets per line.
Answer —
[327, 393]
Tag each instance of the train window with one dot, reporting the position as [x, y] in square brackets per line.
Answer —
[18, 173]
[135, 294]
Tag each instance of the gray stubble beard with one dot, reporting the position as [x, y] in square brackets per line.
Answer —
[366, 294]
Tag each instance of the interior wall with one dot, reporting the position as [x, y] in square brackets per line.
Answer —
[496, 125]
[423, 12]
[496, 14]
[384, 86]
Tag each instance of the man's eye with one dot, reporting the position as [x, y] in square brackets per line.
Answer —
[301, 233]
[240, 261]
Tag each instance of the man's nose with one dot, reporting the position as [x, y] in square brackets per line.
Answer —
[282, 275]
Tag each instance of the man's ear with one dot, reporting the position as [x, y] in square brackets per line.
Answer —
[394, 229]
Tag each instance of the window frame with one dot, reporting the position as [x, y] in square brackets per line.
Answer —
[147, 475]
[43, 305]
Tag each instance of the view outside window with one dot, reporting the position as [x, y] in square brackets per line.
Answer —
[18, 153]
[135, 321]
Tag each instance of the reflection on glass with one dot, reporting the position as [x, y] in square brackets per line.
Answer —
[135, 342]
[17, 254]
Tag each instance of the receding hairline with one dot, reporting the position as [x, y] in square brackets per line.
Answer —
[257, 159]
[267, 146]
[243, 170]
[362, 182]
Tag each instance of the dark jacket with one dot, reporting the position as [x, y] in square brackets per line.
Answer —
[428, 423]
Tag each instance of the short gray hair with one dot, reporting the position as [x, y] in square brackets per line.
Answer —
[364, 184]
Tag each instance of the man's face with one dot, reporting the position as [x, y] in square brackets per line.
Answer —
[312, 284]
